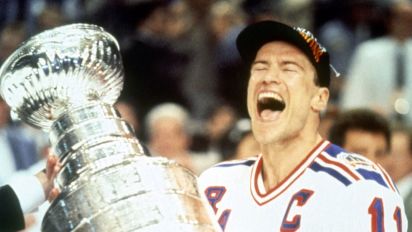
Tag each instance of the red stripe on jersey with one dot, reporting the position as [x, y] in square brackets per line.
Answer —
[258, 170]
[286, 182]
[387, 178]
[340, 166]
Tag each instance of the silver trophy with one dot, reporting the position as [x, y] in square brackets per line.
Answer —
[65, 81]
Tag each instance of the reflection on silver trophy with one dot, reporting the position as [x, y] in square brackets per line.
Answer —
[65, 81]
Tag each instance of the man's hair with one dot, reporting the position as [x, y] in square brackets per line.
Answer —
[359, 119]
[167, 110]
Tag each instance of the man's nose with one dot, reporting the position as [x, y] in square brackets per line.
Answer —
[272, 76]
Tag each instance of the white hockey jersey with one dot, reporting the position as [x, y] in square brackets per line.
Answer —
[331, 190]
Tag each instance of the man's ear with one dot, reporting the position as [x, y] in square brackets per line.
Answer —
[320, 99]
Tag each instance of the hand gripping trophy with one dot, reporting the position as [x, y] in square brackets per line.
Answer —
[65, 81]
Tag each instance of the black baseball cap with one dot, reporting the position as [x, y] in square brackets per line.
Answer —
[254, 36]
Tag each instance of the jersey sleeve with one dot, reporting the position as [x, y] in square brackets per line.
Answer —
[203, 182]
[372, 207]
[371, 202]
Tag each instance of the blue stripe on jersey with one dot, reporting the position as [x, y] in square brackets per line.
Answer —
[245, 162]
[334, 150]
[371, 175]
[319, 168]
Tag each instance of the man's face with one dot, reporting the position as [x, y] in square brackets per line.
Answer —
[168, 137]
[402, 20]
[370, 144]
[399, 162]
[281, 92]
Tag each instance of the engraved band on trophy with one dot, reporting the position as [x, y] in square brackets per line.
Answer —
[65, 81]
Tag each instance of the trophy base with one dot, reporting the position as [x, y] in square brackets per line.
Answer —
[140, 194]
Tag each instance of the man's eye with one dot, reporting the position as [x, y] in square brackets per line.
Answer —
[290, 68]
[259, 68]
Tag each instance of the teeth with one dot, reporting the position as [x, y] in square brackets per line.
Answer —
[269, 95]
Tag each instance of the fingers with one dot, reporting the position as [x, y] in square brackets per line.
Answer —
[29, 220]
[50, 167]
[56, 170]
[53, 194]
[53, 167]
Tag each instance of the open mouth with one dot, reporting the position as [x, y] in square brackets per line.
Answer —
[269, 103]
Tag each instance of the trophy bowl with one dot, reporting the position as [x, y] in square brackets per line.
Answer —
[60, 69]
[65, 82]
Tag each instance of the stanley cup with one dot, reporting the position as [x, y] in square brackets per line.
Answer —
[65, 81]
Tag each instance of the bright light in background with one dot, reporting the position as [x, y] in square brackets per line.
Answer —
[402, 106]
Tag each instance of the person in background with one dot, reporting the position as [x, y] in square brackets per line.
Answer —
[260, 10]
[244, 143]
[226, 21]
[247, 147]
[18, 151]
[380, 75]
[327, 119]
[399, 165]
[153, 69]
[351, 26]
[218, 125]
[168, 134]
[51, 16]
[10, 37]
[210, 137]
[364, 132]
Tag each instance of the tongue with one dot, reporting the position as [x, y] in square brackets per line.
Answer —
[269, 115]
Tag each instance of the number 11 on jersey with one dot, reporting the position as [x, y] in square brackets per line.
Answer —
[376, 210]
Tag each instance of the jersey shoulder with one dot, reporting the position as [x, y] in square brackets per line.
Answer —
[350, 168]
[231, 165]
[227, 170]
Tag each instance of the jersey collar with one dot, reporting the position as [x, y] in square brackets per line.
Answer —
[260, 195]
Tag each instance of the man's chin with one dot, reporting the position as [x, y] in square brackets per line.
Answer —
[266, 136]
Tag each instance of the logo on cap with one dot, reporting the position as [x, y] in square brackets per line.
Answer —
[317, 49]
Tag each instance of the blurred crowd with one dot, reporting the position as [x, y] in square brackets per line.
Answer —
[185, 86]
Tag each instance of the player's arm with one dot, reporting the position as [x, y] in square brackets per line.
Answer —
[202, 184]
